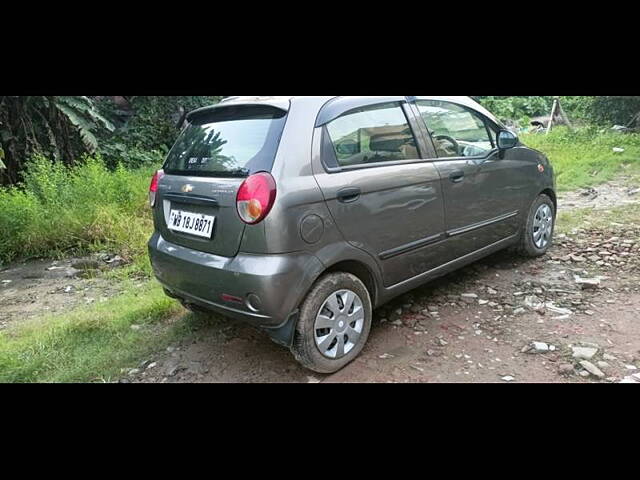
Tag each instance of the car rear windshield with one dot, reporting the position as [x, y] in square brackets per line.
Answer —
[228, 141]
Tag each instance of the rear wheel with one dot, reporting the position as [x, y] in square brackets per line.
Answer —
[334, 323]
[537, 236]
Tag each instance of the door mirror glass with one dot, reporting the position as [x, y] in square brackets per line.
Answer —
[507, 140]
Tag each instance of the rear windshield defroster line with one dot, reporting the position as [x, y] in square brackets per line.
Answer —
[233, 141]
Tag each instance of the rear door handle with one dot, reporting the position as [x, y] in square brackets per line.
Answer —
[349, 195]
[457, 176]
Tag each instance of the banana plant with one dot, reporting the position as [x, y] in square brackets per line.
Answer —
[63, 127]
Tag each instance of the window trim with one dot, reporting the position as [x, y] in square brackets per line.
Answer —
[487, 123]
[412, 122]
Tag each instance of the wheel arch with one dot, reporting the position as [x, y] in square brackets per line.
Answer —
[551, 194]
[360, 270]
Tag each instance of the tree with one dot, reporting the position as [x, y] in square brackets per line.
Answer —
[62, 127]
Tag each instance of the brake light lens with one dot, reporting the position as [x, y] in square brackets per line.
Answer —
[153, 188]
[256, 197]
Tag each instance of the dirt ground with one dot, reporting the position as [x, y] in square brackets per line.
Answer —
[36, 287]
[579, 303]
[572, 316]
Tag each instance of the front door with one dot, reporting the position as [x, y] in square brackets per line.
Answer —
[482, 193]
[383, 197]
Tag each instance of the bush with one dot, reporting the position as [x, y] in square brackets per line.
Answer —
[60, 209]
[601, 110]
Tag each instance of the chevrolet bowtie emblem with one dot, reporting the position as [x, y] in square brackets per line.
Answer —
[187, 188]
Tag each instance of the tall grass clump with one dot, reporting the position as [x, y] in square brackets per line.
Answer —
[585, 157]
[61, 209]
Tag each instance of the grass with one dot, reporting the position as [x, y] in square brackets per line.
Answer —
[585, 157]
[92, 344]
[60, 210]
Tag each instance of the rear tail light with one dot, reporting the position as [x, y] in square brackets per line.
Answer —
[153, 188]
[256, 197]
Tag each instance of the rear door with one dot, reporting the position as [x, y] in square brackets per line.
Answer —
[384, 198]
[219, 149]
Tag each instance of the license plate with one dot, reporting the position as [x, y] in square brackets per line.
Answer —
[191, 223]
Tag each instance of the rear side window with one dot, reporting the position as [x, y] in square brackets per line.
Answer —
[455, 130]
[374, 134]
[228, 141]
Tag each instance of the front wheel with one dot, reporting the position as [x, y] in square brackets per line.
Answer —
[537, 236]
[334, 323]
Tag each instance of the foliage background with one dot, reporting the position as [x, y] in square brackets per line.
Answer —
[601, 110]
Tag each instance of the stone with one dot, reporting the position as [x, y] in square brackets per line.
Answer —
[584, 373]
[608, 357]
[565, 369]
[558, 310]
[628, 380]
[592, 369]
[584, 353]
[587, 283]
[508, 378]
[540, 347]
[603, 365]
[72, 272]
[469, 298]
[173, 368]
[86, 265]
[534, 303]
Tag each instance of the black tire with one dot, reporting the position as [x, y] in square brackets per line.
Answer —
[304, 346]
[526, 245]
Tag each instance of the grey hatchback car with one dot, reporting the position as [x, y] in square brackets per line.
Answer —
[300, 215]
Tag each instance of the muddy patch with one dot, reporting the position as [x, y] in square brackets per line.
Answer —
[36, 287]
[606, 196]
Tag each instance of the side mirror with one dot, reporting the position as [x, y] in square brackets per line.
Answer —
[507, 140]
[348, 147]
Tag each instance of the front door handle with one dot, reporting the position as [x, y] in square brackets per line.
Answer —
[349, 195]
[457, 176]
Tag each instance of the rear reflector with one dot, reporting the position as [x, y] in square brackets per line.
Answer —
[230, 298]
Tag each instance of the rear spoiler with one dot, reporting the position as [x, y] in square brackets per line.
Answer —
[281, 103]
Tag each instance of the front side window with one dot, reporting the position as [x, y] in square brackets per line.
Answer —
[455, 130]
[374, 134]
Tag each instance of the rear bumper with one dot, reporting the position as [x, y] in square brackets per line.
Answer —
[275, 283]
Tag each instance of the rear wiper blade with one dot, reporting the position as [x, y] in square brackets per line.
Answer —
[238, 172]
